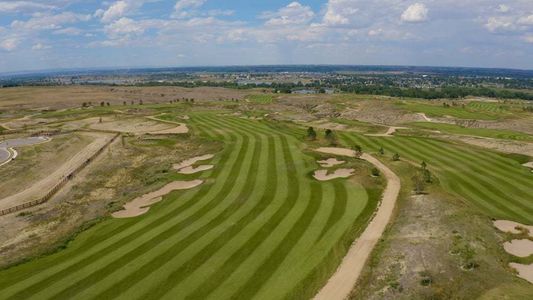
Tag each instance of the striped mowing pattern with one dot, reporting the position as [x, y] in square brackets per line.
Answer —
[498, 186]
[259, 227]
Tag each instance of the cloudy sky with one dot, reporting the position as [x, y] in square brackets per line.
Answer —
[49, 34]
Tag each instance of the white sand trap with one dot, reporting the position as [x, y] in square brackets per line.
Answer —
[426, 118]
[336, 151]
[191, 161]
[330, 162]
[141, 204]
[512, 227]
[322, 175]
[520, 248]
[529, 165]
[192, 170]
[524, 271]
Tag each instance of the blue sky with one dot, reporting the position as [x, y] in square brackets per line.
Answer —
[49, 34]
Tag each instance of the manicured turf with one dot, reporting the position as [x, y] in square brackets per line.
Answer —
[259, 227]
[432, 109]
[497, 185]
[484, 132]
[261, 99]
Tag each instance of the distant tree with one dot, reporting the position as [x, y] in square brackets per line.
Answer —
[396, 157]
[330, 137]
[311, 134]
[84, 104]
[124, 103]
[358, 150]
[381, 151]
[102, 103]
[141, 102]
[108, 104]
[100, 121]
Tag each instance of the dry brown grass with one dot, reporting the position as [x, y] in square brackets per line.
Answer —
[73, 96]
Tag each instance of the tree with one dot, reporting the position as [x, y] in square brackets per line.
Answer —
[375, 172]
[381, 151]
[108, 104]
[311, 133]
[358, 151]
[140, 102]
[124, 103]
[330, 137]
[102, 103]
[396, 157]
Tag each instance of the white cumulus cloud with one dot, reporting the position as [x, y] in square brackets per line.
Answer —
[9, 44]
[415, 13]
[294, 13]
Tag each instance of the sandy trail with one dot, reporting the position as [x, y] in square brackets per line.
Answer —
[330, 162]
[141, 204]
[390, 132]
[511, 227]
[520, 248]
[46, 184]
[342, 282]
[524, 271]
[322, 175]
[181, 128]
[191, 161]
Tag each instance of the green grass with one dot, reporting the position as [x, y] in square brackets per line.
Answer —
[483, 132]
[495, 184]
[437, 110]
[261, 99]
[259, 227]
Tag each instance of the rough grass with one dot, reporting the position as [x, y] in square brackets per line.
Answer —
[257, 228]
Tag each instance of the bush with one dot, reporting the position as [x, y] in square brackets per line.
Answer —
[375, 172]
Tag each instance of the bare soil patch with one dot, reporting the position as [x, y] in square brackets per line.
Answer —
[141, 204]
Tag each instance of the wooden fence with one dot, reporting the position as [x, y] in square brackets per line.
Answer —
[59, 185]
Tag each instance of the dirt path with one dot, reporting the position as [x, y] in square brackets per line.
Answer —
[46, 184]
[342, 282]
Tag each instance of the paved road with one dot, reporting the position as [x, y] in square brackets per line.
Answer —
[14, 143]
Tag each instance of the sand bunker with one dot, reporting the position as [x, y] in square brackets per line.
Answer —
[524, 271]
[331, 162]
[182, 128]
[323, 175]
[141, 204]
[512, 227]
[191, 161]
[529, 165]
[336, 151]
[520, 248]
[192, 170]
